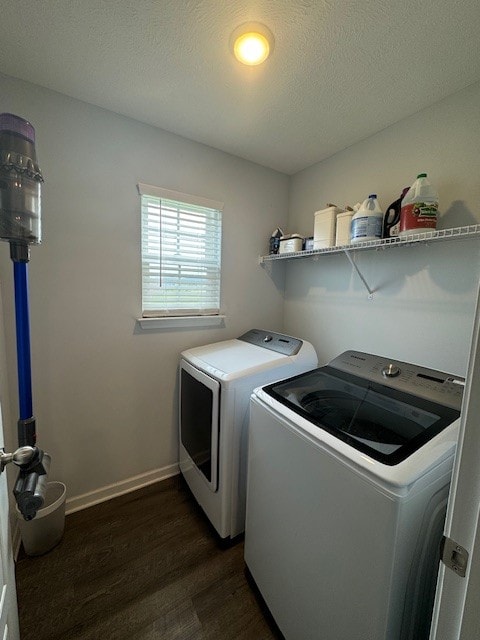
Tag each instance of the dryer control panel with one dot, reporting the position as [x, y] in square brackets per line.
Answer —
[278, 342]
[430, 384]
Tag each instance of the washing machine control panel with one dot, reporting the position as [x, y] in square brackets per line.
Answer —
[279, 342]
[430, 384]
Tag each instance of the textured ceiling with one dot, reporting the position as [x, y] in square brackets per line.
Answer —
[341, 70]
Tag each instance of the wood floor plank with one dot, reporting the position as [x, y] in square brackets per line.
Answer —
[144, 566]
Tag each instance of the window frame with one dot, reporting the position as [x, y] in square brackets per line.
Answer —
[150, 316]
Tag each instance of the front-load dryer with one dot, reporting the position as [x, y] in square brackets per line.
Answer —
[216, 381]
[348, 476]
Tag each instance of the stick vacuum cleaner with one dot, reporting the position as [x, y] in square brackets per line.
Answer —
[20, 225]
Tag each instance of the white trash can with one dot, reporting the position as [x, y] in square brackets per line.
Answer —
[46, 530]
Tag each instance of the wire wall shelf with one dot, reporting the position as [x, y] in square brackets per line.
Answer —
[349, 250]
[470, 231]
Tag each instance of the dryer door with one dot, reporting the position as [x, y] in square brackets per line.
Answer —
[199, 420]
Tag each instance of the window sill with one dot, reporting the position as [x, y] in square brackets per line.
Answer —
[168, 322]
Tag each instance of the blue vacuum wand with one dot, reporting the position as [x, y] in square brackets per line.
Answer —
[20, 225]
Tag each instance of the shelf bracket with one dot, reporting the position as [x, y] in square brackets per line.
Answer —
[360, 275]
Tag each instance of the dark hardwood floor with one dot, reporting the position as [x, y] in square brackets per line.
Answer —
[143, 566]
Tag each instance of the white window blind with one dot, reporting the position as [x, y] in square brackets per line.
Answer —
[181, 253]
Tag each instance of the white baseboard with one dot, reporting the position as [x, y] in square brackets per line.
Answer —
[119, 488]
[103, 494]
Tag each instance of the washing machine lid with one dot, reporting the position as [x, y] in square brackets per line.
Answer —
[385, 423]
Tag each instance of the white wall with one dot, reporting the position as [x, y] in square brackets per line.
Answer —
[105, 392]
[423, 309]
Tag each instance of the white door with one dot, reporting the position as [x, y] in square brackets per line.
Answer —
[456, 614]
[8, 596]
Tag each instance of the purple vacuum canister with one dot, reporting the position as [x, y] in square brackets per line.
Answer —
[20, 184]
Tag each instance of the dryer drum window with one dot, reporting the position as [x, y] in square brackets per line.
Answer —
[196, 422]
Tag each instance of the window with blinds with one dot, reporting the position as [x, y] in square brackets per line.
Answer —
[181, 253]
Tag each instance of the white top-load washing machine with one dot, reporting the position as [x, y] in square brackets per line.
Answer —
[216, 381]
[348, 476]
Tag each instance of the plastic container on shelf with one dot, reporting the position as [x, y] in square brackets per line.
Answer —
[367, 222]
[274, 243]
[342, 234]
[291, 243]
[46, 530]
[324, 227]
[419, 209]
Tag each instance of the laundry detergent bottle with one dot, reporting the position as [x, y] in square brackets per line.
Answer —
[419, 209]
[391, 220]
[368, 221]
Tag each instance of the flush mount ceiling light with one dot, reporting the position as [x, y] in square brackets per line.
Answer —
[251, 43]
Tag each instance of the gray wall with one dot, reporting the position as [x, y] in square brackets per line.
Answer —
[105, 392]
[422, 310]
